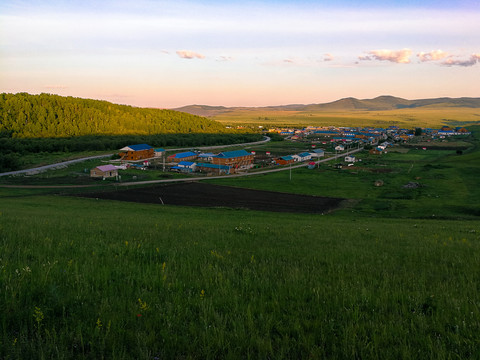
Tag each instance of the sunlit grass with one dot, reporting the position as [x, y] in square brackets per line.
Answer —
[408, 118]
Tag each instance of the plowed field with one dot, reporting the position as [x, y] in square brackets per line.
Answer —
[207, 195]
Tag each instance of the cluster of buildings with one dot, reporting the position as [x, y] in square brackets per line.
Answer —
[229, 162]
[140, 156]
[364, 135]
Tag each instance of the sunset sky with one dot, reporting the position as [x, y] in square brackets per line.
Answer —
[239, 53]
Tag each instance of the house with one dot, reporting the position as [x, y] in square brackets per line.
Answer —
[137, 152]
[317, 153]
[159, 152]
[339, 148]
[304, 156]
[284, 160]
[376, 151]
[104, 171]
[206, 156]
[183, 156]
[237, 159]
[350, 159]
[185, 166]
[295, 157]
[213, 168]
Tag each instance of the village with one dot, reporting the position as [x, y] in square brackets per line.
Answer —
[316, 142]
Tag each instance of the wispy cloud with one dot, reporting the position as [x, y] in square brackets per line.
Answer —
[396, 56]
[55, 87]
[451, 61]
[432, 55]
[187, 54]
[289, 61]
[224, 58]
[328, 57]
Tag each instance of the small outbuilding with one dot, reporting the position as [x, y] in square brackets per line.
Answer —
[104, 171]
[185, 166]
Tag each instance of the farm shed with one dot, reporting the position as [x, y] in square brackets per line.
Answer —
[183, 156]
[213, 168]
[350, 159]
[185, 166]
[137, 152]
[238, 159]
[104, 171]
[317, 153]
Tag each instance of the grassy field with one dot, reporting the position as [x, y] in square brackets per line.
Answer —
[93, 279]
[408, 118]
[394, 275]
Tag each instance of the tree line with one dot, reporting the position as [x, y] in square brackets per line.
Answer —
[39, 116]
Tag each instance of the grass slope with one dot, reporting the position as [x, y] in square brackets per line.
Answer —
[90, 279]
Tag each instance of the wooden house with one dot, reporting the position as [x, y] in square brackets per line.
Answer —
[238, 159]
[104, 171]
[183, 156]
[137, 152]
[285, 160]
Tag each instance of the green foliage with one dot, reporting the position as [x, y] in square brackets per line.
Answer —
[39, 116]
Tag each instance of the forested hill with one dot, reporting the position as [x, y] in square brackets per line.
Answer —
[31, 116]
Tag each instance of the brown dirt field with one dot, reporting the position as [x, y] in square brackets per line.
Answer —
[207, 195]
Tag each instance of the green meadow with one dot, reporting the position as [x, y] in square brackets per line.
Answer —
[393, 274]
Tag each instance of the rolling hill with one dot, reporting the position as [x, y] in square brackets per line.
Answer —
[35, 116]
[380, 103]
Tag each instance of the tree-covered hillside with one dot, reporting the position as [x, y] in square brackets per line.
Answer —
[27, 116]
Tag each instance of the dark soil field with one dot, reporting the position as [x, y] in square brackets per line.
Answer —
[207, 195]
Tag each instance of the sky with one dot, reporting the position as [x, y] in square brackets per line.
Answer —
[167, 54]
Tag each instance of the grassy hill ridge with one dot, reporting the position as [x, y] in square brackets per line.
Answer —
[35, 116]
[379, 103]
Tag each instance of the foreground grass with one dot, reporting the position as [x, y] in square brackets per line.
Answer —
[89, 279]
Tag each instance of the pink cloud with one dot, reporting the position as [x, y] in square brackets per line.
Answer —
[432, 55]
[396, 56]
[474, 58]
[186, 54]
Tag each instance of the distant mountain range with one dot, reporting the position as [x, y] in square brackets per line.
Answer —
[380, 103]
